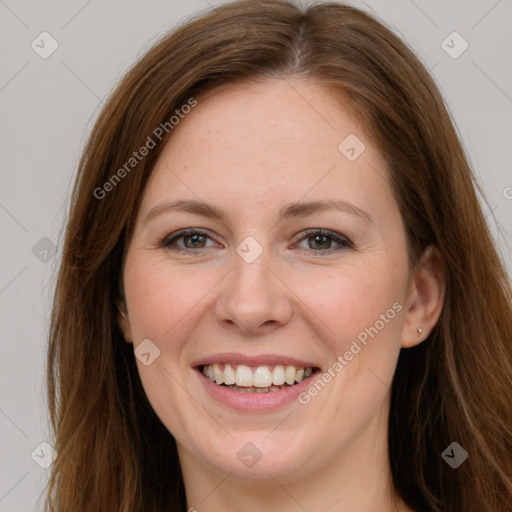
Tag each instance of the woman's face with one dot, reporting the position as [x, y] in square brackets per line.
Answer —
[258, 170]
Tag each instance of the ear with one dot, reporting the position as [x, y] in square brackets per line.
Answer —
[124, 322]
[425, 297]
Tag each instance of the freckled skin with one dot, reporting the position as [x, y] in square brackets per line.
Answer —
[249, 150]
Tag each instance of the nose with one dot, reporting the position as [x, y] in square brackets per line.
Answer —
[253, 298]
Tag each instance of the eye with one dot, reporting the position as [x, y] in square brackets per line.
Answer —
[192, 239]
[321, 241]
[318, 240]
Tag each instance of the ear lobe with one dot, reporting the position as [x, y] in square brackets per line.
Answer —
[124, 323]
[426, 299]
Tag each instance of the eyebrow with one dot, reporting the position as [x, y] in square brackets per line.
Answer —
[291, 210]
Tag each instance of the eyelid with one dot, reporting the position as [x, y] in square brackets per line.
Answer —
[169, 239]
[341, 240]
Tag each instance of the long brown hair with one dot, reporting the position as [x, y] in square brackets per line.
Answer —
[114, 454]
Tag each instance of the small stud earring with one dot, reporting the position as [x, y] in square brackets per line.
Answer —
[419, 331]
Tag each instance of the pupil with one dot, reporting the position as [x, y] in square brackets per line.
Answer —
[194, 238]
[320, 238]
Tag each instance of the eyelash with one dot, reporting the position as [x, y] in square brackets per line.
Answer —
[343, 242]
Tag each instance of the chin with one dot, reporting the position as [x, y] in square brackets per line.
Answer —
[257, 455]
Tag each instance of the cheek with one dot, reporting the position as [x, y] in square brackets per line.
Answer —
[163, 300]
[360, 314]
[351, 299]
[163, 304]
[360, 307]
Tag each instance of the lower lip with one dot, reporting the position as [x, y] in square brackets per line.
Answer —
[254, 402]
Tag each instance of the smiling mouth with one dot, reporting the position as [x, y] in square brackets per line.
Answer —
[256, 379]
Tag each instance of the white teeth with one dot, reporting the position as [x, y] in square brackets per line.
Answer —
[278, 375]
[243, 376]
[255, 390]
[219, 377]
[261, 379]
[289, 375]
[229, 375]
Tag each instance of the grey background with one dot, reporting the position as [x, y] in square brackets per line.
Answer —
[47, 107]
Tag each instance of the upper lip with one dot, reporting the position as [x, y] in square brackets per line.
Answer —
[258, 360]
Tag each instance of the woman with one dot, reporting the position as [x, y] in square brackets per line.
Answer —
[278, 289]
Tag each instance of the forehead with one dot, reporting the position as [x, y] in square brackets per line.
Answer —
[270, 118]
[243, 143]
